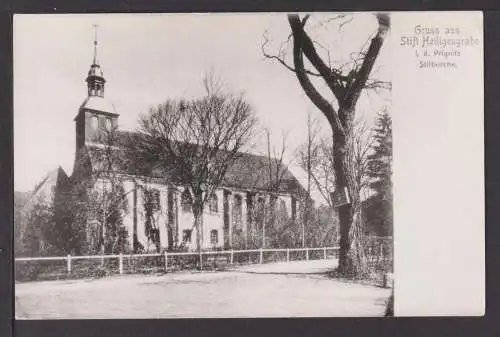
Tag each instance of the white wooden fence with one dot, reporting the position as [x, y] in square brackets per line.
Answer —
[323, 253]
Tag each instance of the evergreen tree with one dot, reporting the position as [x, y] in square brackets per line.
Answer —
[379, 205]
[116, 233]
[151, 210]
[114, 206]
[38, 231]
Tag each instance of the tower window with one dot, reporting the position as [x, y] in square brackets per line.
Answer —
[108, 123]
[94, 122]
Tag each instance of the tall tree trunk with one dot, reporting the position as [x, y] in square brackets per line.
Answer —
[347, 90]
[345, 212]
[198, 221]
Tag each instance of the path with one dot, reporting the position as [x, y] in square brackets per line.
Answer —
[295, 289]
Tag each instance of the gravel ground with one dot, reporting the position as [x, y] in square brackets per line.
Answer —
[295, 289]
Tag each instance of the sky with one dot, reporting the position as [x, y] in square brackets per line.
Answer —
[147, 58]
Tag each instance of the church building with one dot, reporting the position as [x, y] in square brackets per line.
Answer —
[232, 219]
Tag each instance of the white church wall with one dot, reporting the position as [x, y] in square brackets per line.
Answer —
[141, 234]
[162, 220]
[186, 221]
[128, 217]
[212, 221]
[160, 216]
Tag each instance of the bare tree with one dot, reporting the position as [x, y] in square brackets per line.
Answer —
[308, 155]
[277, 168]
[345, 82]
[195, 141]
[266, 180]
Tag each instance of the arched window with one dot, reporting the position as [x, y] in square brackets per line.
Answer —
[283, 211]
[186, 236]
[214, 236]
[213, 204]
[108, 124]
[186, 201]
[94, 121]
[237, 211]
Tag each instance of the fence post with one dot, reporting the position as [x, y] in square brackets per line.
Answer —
[307, 254]
[288, 255]
[68, 263]
[324, 253]
[201, 260]
[232, 254]
[121, 263]
[260, 259]
[166, 261]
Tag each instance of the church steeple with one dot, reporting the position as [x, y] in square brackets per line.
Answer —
[95, 79]
[96, 114]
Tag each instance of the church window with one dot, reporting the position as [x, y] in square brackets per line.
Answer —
[108, 124]
[152, 199]
[283, 212]
[186, 201]
[213, 204]
[94, 122]
[237, 211]
[214, 237]
[186, 236]
[259, 211]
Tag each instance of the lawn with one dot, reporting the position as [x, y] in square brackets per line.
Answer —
[295, 289]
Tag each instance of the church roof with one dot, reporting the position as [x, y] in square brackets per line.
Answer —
[98, 103]
[248, 172]
[43, 191]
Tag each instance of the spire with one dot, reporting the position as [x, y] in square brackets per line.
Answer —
[95, 43]
[95, 79]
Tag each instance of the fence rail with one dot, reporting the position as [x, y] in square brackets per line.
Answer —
[378, 252]
[30, 268]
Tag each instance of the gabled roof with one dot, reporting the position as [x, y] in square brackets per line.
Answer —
[248, 172]
[50, 179]
[43, 190]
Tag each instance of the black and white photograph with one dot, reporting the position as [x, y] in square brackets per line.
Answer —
[203, 165]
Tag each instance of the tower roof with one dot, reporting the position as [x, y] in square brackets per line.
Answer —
[99, 104]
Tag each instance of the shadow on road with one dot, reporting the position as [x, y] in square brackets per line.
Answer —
[324, 273]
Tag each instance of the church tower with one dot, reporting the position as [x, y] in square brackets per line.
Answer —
[96, 114]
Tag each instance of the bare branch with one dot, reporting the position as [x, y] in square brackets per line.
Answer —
[333, 80]
[304, 81]
[281, 60]
[353, 91]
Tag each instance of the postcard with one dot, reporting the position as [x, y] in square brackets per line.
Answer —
[249, 165]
